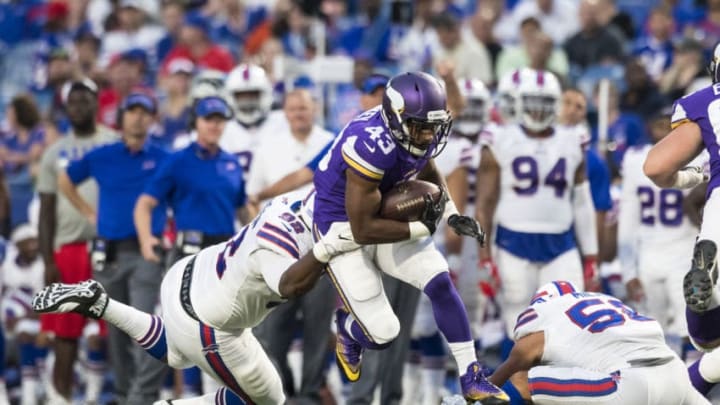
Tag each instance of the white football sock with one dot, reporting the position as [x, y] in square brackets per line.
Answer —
[464, 354]
[134, 322]
[432, 379]
[709, 366]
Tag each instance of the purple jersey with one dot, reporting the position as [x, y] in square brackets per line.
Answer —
[703, 108]
[366, 147]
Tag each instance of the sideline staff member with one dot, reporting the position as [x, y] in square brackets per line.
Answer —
[122, 169]
[202, 184]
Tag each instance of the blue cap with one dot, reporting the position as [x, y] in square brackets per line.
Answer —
[139, 99]
[197, 20]
[208, 106]
[373, 82]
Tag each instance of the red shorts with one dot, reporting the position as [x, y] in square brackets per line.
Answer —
[73, 263]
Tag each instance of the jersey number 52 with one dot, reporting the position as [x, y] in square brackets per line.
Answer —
[596, 315]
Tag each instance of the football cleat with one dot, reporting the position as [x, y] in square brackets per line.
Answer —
[348, 352]
[87, 298]
[700, 281]
[476, 387]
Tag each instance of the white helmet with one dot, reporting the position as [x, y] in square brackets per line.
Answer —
[476, 113]
[248, 78]
[552, 290]
[538, 101]
[507, 95]
[207, 83]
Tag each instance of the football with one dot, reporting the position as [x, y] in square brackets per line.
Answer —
[405, 201]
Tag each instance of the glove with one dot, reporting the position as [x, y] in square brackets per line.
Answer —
[591, 275]
[338, 240]
[490, 279]
[433, 211]
[464, 225]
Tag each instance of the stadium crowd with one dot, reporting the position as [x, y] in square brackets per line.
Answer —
[217, 100]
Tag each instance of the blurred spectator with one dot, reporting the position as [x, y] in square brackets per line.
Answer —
[412, 46]
[174, 111]
[618, 22]
[641, 95]
[558, 18]
[195, 44]
[125, 74]
[235, 23]
[655, 49]
[294, 27]
[707, 31]
[20, 150]
[470, 60]
[54, 69]
[594, 43]
[685, 12]
[624, 131]
[87, 51]
[134, 31]
[480, 29]
[536, 50]
[687, 66]
[370, 35]
[347, 97]
[172, 14]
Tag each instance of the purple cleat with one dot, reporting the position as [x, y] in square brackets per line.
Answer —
[476, 387]
[348, 352]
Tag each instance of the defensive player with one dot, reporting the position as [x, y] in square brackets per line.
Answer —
[379, 148]
[250, 93]
[532, 184]
[589, 348]
[211, 300]
[655, 238]
[696, 123]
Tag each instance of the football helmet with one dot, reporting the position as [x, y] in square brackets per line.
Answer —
[538, 101]
[413, 103]
[207, 83]
[476, 113]
[507, 96]
[714, 66]
[554, 289]
[250, 92]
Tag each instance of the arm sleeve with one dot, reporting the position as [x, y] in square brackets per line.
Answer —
[368, 158]
[585, 223]
[163, 181]
[527, 322]
[599, 177]
[80, 170]
[679, 114]
[628, 221]
[271, 265]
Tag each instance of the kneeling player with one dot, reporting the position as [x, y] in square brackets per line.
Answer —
[211, 300]
[574, 347]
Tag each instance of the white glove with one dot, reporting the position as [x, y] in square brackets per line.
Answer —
[338, 240]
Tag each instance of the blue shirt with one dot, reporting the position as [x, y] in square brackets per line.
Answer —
[202, 190]
[599, 177]
[121, 176]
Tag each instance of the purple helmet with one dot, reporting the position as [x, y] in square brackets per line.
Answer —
[414, 106]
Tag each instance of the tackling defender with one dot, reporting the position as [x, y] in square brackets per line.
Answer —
[271, 259]
[589, 348]
[379, 148]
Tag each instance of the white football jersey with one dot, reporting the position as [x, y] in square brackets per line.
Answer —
[536, 178]
[592, 331]
[460, 152]
[653, 230]
[243, 142]
[29, 277]
[228, 291]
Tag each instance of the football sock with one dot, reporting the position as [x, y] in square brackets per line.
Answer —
[148, 330]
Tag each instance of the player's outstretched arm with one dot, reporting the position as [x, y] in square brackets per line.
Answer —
[526, 353]
[290, 182]
[666, 163]
[488, 193]
[362, 203]
[302, 275]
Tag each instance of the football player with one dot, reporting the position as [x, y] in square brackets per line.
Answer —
[574, 347]
[379, 148]
[695, 125]
[271, 259]
[532, 185]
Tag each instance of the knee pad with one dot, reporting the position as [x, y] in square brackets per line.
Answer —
[383, 328]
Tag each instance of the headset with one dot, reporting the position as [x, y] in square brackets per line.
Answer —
[192, 116]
